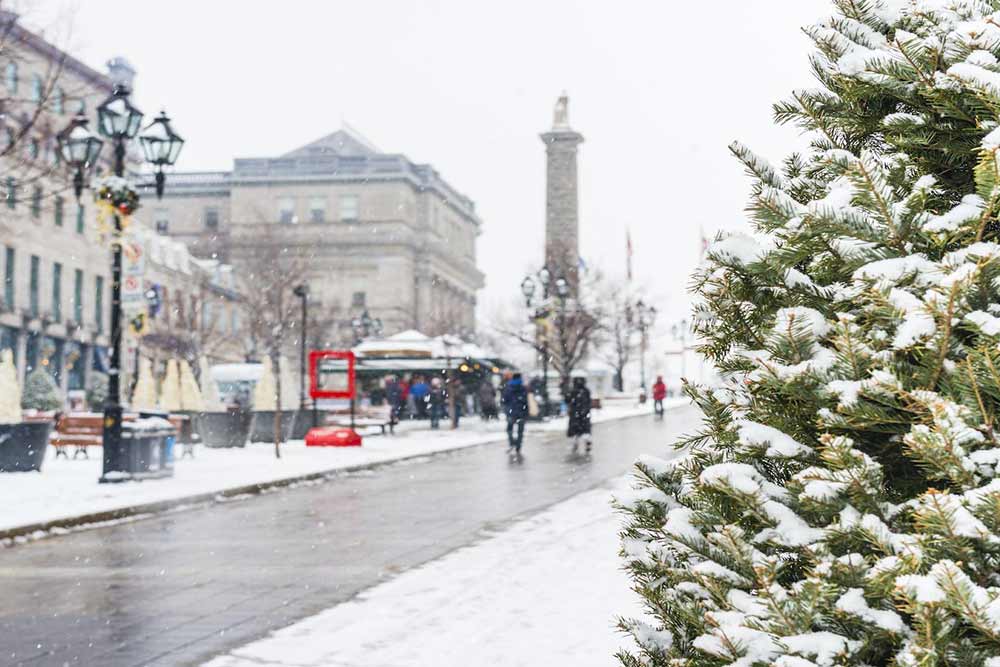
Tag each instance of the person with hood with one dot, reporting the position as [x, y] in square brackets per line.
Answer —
[419, 391]
[515, 403]
[659, 393]
[578, 404]
[487, 400]
[435, 401]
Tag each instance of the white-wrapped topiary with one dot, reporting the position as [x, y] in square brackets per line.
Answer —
[191, 397]
[170, 390]
[10, 391]
[144, 394]
[265, 391]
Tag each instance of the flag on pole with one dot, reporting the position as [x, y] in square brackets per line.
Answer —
[628, 253]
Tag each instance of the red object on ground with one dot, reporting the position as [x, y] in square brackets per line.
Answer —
[332, 436]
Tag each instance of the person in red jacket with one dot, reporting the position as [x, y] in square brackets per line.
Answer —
[659, 393]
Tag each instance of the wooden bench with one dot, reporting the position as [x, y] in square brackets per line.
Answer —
[79, 430]
[371, 417]
[86, 429]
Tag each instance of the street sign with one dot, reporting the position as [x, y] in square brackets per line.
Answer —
[133, 259]
[133, 295]
[331, 374]
[138, 324]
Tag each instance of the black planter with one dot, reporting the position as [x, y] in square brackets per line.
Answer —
[22, 446]
[304, 421]
[262, 429]
[225, 429]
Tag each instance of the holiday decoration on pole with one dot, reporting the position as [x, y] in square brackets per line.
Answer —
[841, 504]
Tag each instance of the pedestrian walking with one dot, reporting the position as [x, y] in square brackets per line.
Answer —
[659, 393]
[487, 400]
[394, 397]
[435, 401]
[515, 403]
[419, 391]
[457, 391]
[578, 404]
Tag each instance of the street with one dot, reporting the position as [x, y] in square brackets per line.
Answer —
[180, 588]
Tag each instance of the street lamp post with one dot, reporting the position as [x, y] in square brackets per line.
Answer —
[119, 121]
[645, 315]
[539, 315]
[302, 291]
[679, 332]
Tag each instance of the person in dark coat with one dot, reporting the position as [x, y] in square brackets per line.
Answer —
[419, 391]
[435, 400]
[578, 404]
[487, 400]
[394, 397]
[515, 403]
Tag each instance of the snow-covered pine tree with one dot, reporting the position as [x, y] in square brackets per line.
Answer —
[40, 392]
[841, 505]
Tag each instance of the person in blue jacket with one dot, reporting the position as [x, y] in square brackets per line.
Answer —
[515, 403]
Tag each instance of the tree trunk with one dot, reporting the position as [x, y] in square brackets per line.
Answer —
[277, 409]
[620, 379]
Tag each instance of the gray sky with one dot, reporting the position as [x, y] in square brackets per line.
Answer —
[658, 89]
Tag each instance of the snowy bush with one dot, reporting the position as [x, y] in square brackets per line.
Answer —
[841, 505]
[97, 393]
[41, 392]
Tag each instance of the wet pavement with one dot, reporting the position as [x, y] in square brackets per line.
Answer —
[180, 588]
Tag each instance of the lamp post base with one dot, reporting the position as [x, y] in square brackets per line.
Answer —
[114, 470]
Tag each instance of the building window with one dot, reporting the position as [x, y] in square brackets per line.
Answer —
[349, 207]
[36, 89]
[161, 221]
[33, 149]
[11, 78]
[36, 202]
[286, 211]
[234, 320]
[317, 209]
[33, 278]
[99, 303]
[78, 296]
[58, 207]
[80, 217]
[59, 101]
[57, 292]
[11, 192]
[358, 300]
[9, 138]
[211, 218]
[8, 279]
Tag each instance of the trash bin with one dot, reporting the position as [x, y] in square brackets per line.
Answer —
[148, 444]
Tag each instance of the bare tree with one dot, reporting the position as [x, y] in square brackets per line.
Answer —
[37, 97]
[568, 330]
[270, 271]
[621, 330]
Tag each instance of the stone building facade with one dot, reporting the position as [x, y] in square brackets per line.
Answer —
[383, 234]
[562, 217]
[55, 284]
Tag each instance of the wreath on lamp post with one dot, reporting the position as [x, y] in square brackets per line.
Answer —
[114, 195]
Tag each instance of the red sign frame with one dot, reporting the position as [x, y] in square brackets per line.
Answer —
[315, 356]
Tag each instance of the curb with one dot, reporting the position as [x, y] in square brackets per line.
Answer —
[13, 536]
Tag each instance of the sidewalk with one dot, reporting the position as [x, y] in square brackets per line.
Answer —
[66, 493]
[481, 605]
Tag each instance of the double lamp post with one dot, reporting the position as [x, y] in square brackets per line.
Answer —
[119, 122]
[549, 284]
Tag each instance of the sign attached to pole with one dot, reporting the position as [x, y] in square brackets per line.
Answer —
[133, 295]
[138, 324]
[331, 374]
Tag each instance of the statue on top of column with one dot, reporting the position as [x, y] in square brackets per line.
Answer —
[560, 119]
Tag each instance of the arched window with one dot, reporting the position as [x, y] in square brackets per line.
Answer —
[36, 89]
[11, 77]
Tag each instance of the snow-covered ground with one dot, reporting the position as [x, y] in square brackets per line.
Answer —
[546, 591]
[68, 488]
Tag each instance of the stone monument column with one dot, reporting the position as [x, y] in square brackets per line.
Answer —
[562, 237]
